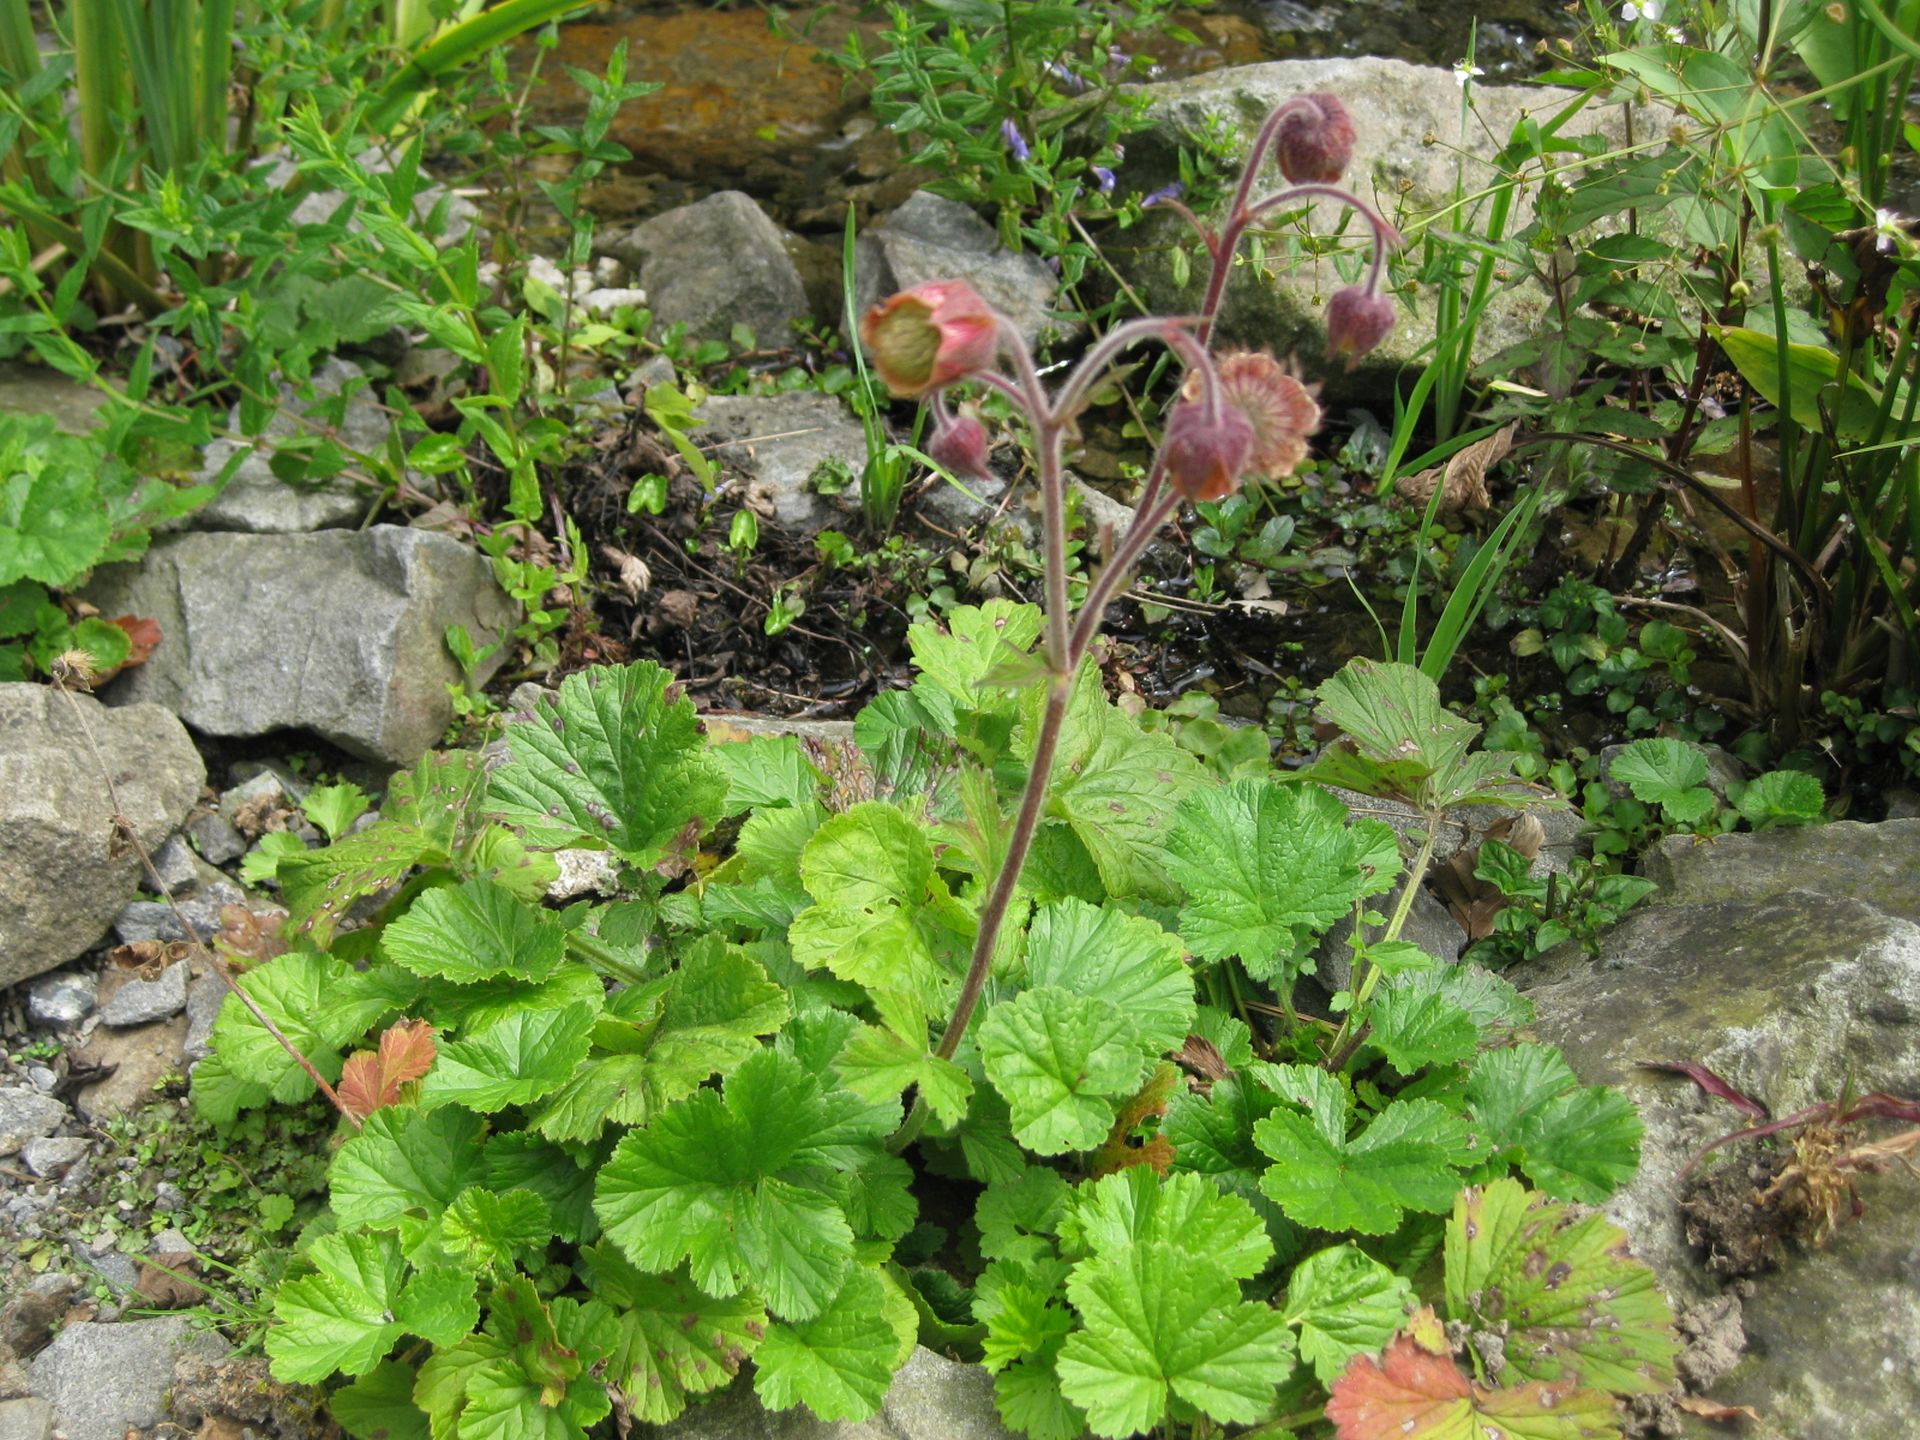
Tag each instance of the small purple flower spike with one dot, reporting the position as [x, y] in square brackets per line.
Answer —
[1163, 195]
[1016, 142]
[1105, 176]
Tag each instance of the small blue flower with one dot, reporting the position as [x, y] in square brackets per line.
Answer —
[1016, 142]
[1105, 177]
[1164, 194]
[1069, 80]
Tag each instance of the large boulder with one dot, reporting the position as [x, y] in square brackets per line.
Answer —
[780, 442]
[65, 874]
[1396, 167]
[103, 1380]
[338, 632]
[1795, 997]
[714, 265]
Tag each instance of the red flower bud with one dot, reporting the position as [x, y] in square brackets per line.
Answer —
[1315, 142]
[929, 336]
[1206, 454]
[1357, 320]
[961, 446]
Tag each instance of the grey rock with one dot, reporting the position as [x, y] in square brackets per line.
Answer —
[205, 996]
[62, 872]
[170, 1241]
[116, 1271]
[215, 837]
[339, 632]
[62, 1000]
[26, 1114]
[103, 1380]
[138, 1002]
[263, 783]
[931, 1398]
[714, 265]
[255, 499]
[930, 238]
[173, 866]
[167, 1197]
[49, 1156]
[161, 920]
[459, 214]
[36, 390]
[656, 370]
[779, 441]
[140, 1058]
[1467, 825]
[1394, 106]
[1879, 864]
[1792, 999]
[584, 872]
[43, 1079]
[1430, 925]
[28, 1418]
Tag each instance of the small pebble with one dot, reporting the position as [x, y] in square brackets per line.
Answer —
[139, 1001]
[50, 1157]
[173, 864]
[167, 1197]
[62, 1000]
[215, 838]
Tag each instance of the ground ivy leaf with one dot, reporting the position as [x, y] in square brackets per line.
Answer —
[978, 641]
[1418, 1026]
[1565, 1290]
[728, 1180]
[1413, 1394]
[337, 1318]
[1268, 867]
[610, 761]
[1156, 1324]
[1188, 1212]
[877, 1064]
[1343, 1303]
[476, 931]
[516, 1059]
[379, 1405]
[405, 1162]
[1574, 1141]
[674, 1340]
[838, 1363]
[439, 1305]
[483, 1229]
[1124, 959]
[1060, 1060]
[1403, 1160]
[293, 992]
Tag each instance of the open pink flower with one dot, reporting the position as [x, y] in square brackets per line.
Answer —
[1315, 142]
[1281, 410]
[929, 336]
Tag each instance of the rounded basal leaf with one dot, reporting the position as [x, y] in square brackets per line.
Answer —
[1576, 1142]
[1126, 960]
[840, 1362]
[515, 1060]
[1344, 1303]
[1188, 1212]
[1403, 1160]
[674, 1340]
[476, 931]
[1061, 1060]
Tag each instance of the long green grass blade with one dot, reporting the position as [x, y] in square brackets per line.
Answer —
[455, 47]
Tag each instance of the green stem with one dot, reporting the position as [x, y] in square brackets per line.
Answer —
[1353, 1030]
[604, 958]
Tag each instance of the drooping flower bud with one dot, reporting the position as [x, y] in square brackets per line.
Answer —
[961, 445]
[1315, 142]
[1281, 410]
[929, 336]
[1206, 453]
[1357, 320]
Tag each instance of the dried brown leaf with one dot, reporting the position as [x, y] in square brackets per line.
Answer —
[1713, 1410]
[1118, 1152]
[631, 573]
[1463, 480]
[148, 959]
[247, 938]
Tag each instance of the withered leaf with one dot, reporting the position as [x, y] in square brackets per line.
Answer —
[148, 959]
[1411, 1393]
[1463, 480]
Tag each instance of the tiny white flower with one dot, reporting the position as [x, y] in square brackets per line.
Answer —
[1887, 229]
[1465, 71]
[1673, 34]
[1640, 10]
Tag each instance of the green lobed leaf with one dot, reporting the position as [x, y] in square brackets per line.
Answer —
[1575, 1142]
[1159, 1324]
[1402, 1160]
[1563, 1288]
[878, 1064]
[295, 991]
[53, 526]
[379, 1405]
[1415, 1026]
[438, 1305]
[517, 1059]
[485, 1229]
[1139, 1207]
[337, 1318]
[1344, 1303]
[476, 931]
[979, 642]
[766, 772]
[1124, 959]
[611, 761]
[520, 1160]
[1061, 1061]
[840, 1362]
[1665, 772]
[674, 1340]
[1782, 797]
[404, 1168]
[1267, 868]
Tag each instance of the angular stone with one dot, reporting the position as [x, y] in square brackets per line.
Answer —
[205, 996]
[931, 238]
[61, 1001]
[49, 1156]
[28, 1418]
[36, 390]
[1879, 864]
[174, 867]
[255, 499]
[265, 786]
[106, 1379]
[779, 441]
[338, 632]
[215, 838]
[161, 920]
[64, 872]
[139, 1001]
[26, 1114]
[141, 1059]
[584, 872]
[754, 282]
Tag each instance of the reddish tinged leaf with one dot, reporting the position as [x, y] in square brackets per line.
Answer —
[1118, 1152]
[370, 1080]
[144, 633]
[1411, 1393]
[1709, 1082]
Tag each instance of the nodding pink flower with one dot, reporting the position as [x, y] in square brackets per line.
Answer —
[960, 444]
[1016, 142]
[1163, 195]
[1206, 450]
[1315, 142]
[1357, 320]
[930, 336]
[1281, 410]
